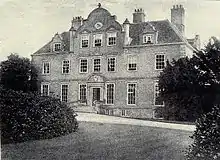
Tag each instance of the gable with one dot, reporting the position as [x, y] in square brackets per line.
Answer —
[58, 38]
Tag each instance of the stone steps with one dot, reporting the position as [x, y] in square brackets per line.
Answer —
[86, 109]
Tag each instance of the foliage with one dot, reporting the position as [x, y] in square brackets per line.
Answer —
[206, 145]
[191, 86]
[18, 74]
[29, 116]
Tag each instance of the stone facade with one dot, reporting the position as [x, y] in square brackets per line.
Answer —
[117, 65]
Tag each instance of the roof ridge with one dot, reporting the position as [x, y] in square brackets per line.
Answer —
[183, 38]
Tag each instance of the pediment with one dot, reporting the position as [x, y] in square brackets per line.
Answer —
[85, 31]
[96, 78]
[111, 29]
[57, 38]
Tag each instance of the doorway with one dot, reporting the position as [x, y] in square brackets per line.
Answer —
[96, 94]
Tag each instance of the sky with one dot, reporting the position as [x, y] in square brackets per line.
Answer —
[26, 25]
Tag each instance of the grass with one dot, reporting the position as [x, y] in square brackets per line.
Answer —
[96, 141]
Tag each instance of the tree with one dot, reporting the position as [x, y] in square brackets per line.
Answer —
[190, 87]
[18, 74]
[206, 145]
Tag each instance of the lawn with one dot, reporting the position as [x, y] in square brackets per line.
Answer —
[96, 141]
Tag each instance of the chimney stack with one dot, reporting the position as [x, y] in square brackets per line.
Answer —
[177, 17]
[77, 22]
[138, 16]
[126, 27]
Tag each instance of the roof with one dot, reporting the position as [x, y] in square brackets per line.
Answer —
[166, 33]
[65, 40]
[126, 21]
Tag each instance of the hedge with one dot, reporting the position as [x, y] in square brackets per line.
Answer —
[29, 116]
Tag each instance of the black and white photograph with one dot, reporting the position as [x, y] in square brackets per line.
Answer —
[110, 79]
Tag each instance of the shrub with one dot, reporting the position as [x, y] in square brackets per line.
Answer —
[206, 145]
[29, 116]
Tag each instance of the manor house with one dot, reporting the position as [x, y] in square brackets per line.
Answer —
[102, 66]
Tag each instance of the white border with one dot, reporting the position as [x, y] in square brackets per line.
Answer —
[81, 35]
[94, 39]
[41, 88]
[69, 66]
[135, 93]
[155, 67]
[80, 65]
[93, 59]
[131, 55]
[108, 39]
[148, 35]
[54, 46]
[43, 68]
[125, 112]
[156, 83]
[61, 91]
[79, 91]
[115, 63]
[106, 93]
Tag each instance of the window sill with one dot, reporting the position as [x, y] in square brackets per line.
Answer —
[134, 105]
[132, 70]
[159, 105]
[45, 74]
[160, 70]
[111, 71]
[83, 72]
[111, 45]
[109, 104]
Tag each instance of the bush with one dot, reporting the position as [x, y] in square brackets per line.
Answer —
[206, 145]
[29, 116]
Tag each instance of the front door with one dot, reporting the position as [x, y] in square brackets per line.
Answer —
[95, 94]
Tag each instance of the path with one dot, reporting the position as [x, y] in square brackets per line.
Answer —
[91, 117]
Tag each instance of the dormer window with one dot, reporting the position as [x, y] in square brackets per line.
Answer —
[148, 38]
[111, 39]
[57, 47]
[84, 41]
[97, 40]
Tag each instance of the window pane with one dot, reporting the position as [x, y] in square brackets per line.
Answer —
[132, 63]
[111, 41]
[147, 39]
[98, 40]
[64, 93]
[160, 61]
[131, 93]
[46, 67]
[97, 65]
[157, 100]
[82, 93]
[57, 47]
[45, 90]
[85, 41]
[66, 66]
[111, 64]
[110, 93]
[123, 112]
[83, 65]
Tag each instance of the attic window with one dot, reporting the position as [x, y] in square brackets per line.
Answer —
[111, 39]
[57, 47]
[148, 38]
[97, 40]
[85, 41]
